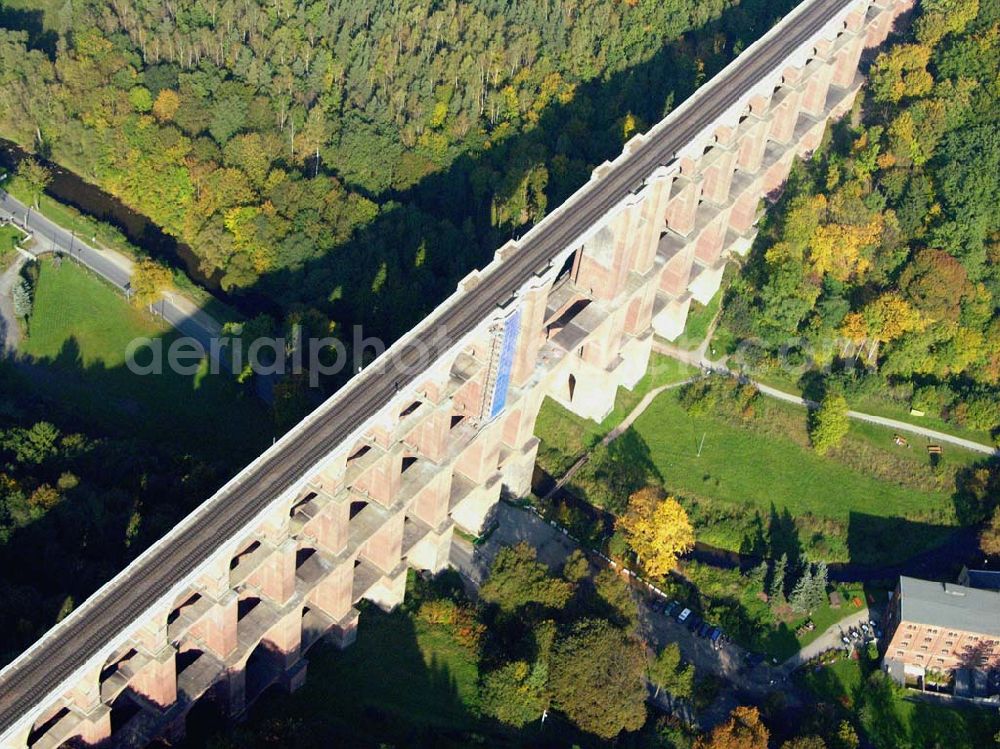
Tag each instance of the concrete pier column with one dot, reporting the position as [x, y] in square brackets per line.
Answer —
[531, 336]
[431, 503]
[683, 204]
[676, 271]
[432, 553]
[430, 438]
[517, 470]
[381, 482]
[845, 64]
[95, 728]
[345, 630]
[385, 548]
[480, 457]
[286, 636]
[647, 234]
[784, 115]
[390, 591]
[744, 212]
[816, 87]
[217, 628]
[157, 680]
[669, 322]
[276, 577]
[333, 593]
[330, 527]
[750, 151]
[635, 359]
[718, 174]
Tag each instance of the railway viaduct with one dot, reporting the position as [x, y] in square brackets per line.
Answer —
[380, 476]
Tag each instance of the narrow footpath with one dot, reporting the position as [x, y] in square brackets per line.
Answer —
[11, 328]
[697, 358]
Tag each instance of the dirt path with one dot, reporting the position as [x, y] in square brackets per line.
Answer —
[697, 359]
[11, 329]
[615, 433]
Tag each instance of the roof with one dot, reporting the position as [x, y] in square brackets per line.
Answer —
[982, 579]
[949, 605]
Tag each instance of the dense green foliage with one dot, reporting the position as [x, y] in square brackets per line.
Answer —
[885, 247]
[343, 155]
[74, 509]
[854, 704]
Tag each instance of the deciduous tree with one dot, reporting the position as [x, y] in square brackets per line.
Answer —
[35, 177]
[829, 423]
[597, 679]
[518, 579]
[743, 730]
[149, 280]
[989, 536]
[668, 672]
[657, 528]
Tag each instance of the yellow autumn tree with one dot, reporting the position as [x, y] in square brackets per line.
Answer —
[166, 105]
[149, 280]
[838, 249]
[890, 316]
[657, 528]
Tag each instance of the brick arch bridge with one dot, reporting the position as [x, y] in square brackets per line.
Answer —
[377, 479]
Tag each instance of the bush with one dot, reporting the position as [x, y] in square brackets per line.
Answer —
[719, 395]
[829, 423]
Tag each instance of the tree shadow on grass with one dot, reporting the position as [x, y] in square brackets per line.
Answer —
[886, 547]
[118, 475]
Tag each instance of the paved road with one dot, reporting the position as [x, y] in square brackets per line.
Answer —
[108, 264]
[697, 358]
[114, 609]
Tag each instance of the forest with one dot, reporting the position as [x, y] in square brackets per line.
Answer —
[884, 250]
[350, 161]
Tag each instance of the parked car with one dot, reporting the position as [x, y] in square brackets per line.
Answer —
[704, 629]
[672, 608]
[716, 637]
[694, 622]
[681, 617]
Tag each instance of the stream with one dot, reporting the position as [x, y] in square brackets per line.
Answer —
[70, 189]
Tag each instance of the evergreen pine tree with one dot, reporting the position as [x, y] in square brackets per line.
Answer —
[820, 582]
[776, 588]
[802, 592]
[21, 296]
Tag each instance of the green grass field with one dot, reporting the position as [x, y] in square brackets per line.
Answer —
[10, 237]
[868, 502]
[566, 436]
[76, 352]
